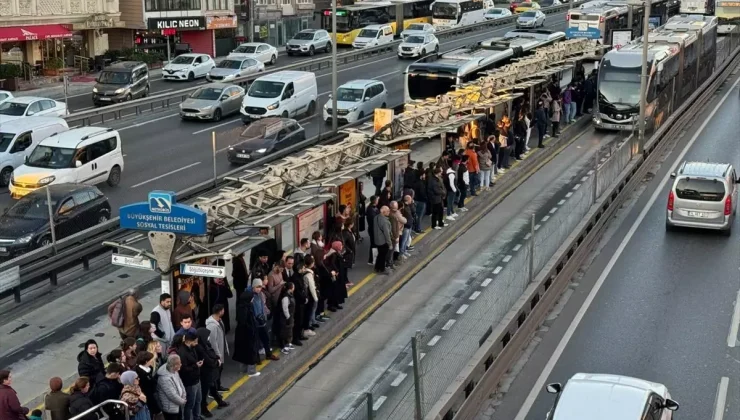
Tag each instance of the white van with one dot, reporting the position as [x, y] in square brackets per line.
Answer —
[373, 35]
[286, 94]
[85, 155]
[18, 139]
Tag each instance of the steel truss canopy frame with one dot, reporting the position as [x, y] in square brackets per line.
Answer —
[432, 116]
[282, 188]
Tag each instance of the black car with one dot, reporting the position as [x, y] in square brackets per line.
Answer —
[121, 82]
[263, 137]
[25, 225]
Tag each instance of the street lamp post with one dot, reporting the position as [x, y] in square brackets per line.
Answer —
[644, 77]
[334, 66]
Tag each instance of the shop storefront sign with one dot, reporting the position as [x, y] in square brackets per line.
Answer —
[220, 22]
[193, 23]
[310, 221]
[348, 194]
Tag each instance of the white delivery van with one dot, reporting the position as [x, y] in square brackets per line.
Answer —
[286, 94]
[19, 137]
[374, 35]
[85, 155]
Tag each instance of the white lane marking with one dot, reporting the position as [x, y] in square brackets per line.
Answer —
[164, 175]
[584, 179]
[475, 295]
[448, 325]
[589, 172]
[570, 193]
[464, 307]
[507, 258]
[546, 218]
[497, 269]
[577, 186]
[560, 203]
[211, 128]
[537, 227]
[421, 357]
[517, 247]
[732, 337]
[527, 236]
[537, 389]
[379, 402]
[486, 282]
[434, 340]
[554, 209]
[721, 399]
[396, 382]
[146, 122]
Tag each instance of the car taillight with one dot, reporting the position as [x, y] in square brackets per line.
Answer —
[567, 17]
[601, 19]
[670, 200]
[728, 205]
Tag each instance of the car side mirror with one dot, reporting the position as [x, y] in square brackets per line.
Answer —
[224, 97]
[670, 405]
[367, 98]
[78, 164]
[737, 181]
[25, 159]
[554, 388]
[673, 175]
[30, 113]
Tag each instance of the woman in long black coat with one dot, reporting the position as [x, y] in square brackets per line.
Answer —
[246, 341]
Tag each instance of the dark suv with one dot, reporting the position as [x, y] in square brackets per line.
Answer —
[121, 82]
[263, 137]
[25, 225]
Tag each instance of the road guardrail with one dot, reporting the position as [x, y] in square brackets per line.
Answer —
[166, 100]
[464, 398]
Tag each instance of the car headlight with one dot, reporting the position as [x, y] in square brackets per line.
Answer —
[47, 180]
[273, 107]
[261, 150]
[24, 239]
[207, 108]
[95, 90]
[353, 109]
[121, 90]
[231, 148]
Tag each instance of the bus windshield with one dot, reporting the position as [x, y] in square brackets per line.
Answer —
[620, 86]
[422, 86]
[444, 10]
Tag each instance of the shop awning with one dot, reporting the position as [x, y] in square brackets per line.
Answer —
[33, 33]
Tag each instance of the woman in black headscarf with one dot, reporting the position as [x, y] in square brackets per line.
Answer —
[246, 341]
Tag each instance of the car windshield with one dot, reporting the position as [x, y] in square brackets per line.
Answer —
[230, 64]
[51, 157]
[368, 33]
[528, 14]
[114, 77]
[5, 139]
[183, 59]
[495, 12]
[620, 86]
[415, 27]
[700, 189]
[349, 95]
[261, 130]
[265, 89]
[13, 108]
[207, 93]
[414, 39]
[246, 49]
[525, 5]
[303, 35]
[32, 206]
[444, 10]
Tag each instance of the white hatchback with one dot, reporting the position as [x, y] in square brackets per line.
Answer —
[188, 67]
[373, 35]
[418, 45]
[264, 53]
[31, 106]
[356, 100]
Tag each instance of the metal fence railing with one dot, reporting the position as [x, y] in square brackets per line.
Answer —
[407, 390]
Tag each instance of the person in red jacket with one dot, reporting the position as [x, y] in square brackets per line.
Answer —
[10, 406]
[473, 168]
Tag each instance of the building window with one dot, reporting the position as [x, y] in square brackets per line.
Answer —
[216, 5]
[304, 1]
[166, 5]
[285, 2]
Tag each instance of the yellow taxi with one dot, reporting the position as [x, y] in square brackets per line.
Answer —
[526, 7]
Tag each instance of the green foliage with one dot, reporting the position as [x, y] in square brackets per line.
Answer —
[54, 63]
[9, 71]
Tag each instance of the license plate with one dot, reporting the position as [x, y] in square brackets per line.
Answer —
[3, 249]
[104, 99]
[698, 214]
[242, 156]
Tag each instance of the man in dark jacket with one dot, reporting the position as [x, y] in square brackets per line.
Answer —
[386, 195]
[300, 293]
[540, 122]
[190, 375]
[268, 247]
[109, 388]
[383, 240]
[261, 266]
[208, 372]
[10, 406]
[420, 200]
[378, 176]
[436, 196]
[370, 213]
[410, 178]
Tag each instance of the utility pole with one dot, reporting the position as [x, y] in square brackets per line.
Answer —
[334, 66]
[644, 76]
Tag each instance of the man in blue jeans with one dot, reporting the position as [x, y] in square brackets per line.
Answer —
[190, 375]
[420, 199]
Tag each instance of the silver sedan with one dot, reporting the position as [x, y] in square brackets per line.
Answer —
[212, 102]
[530, 19]
[231, 68]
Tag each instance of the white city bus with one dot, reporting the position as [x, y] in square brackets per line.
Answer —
[453, 13]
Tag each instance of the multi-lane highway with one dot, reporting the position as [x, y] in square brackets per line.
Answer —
[658, 305]
[163, 152]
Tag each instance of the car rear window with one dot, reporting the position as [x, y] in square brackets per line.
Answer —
[700, 189]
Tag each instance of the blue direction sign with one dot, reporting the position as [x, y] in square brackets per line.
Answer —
[162, 214]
